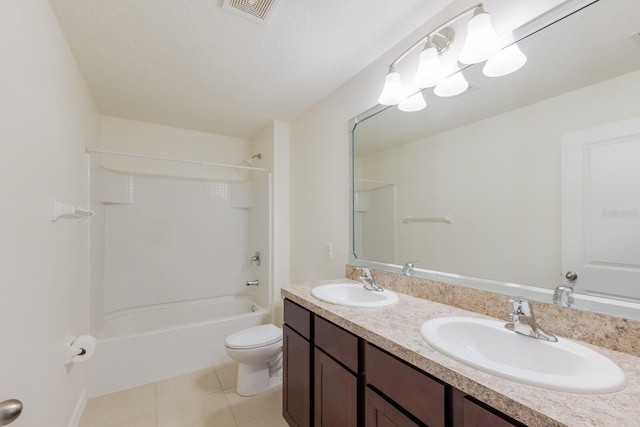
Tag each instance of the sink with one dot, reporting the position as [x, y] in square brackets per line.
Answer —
[486, 345]
[353, 295]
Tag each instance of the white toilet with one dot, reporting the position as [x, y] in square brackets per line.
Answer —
[258, 351]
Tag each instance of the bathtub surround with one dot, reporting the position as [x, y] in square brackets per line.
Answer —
[272, 142]
[164, 250]
[598, 329]
[169, 239]
[396, 329]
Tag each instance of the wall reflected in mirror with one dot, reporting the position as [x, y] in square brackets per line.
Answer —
[484, 184]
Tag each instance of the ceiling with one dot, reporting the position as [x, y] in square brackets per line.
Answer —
[191, 64]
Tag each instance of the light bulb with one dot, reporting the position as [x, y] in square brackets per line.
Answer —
[452, 86]
[482, 40]
[504, 62]
[392, 93]
[430, 71]
[413, 103]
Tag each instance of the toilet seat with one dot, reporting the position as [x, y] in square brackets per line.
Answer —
[258, 336]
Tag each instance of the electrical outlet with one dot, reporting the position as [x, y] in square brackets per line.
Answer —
[328, 248]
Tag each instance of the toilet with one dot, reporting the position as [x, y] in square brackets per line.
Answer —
[258, 351]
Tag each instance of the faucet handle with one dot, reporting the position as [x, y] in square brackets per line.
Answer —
[562, 295]
[521, 307]
[366, 272]
[407, 270]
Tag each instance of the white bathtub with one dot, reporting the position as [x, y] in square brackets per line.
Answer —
[148, 344]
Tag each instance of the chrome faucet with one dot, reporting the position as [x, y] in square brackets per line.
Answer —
[407, 270]
[367, 280]
[523, 321]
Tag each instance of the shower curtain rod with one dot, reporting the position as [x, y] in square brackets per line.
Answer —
[169, 159]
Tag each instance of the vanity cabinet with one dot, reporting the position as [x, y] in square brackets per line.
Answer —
[335, 375]
[296, 366]
[333, 378]
[320, 371]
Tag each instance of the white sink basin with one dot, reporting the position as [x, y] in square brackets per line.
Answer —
[488, 346]
[353, 295]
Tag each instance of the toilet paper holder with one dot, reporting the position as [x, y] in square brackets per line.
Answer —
[79, 349]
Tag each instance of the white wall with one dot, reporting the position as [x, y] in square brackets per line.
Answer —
[320, 167]
[320, 182]
[137, 137]
[272, 143]
[48, 117]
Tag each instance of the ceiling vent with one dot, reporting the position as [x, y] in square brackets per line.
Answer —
[254, 10]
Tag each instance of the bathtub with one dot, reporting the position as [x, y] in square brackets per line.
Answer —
[148, 344]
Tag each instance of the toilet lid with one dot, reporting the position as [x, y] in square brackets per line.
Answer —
[258, 336]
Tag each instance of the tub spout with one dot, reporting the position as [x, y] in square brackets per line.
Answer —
[253, 282]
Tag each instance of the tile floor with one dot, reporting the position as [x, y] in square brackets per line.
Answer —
[204, 398]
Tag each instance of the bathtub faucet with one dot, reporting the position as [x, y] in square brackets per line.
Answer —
[253, 282]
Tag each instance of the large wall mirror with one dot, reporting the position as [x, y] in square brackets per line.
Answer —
[523, 182]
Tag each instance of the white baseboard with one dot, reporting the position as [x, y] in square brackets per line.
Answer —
[79, 409]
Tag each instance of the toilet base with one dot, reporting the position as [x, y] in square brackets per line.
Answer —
[255, 379]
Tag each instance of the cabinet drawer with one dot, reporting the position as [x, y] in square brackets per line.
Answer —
[338, 343]
[297, 318]
[415, 391]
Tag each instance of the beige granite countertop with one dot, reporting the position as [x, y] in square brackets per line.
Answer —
[396, 329]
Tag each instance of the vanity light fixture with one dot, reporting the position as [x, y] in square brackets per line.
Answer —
[415, 102]
[430, 70]
[392, 92]
[504, 62]
[482, 43]
[452, 85]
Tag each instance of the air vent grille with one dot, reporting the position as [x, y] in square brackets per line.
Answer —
[255, 10]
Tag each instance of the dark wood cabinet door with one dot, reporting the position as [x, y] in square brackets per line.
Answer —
[477, 416]
[335, 393]
[467, 412]
[296, 377]
[380, 413]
